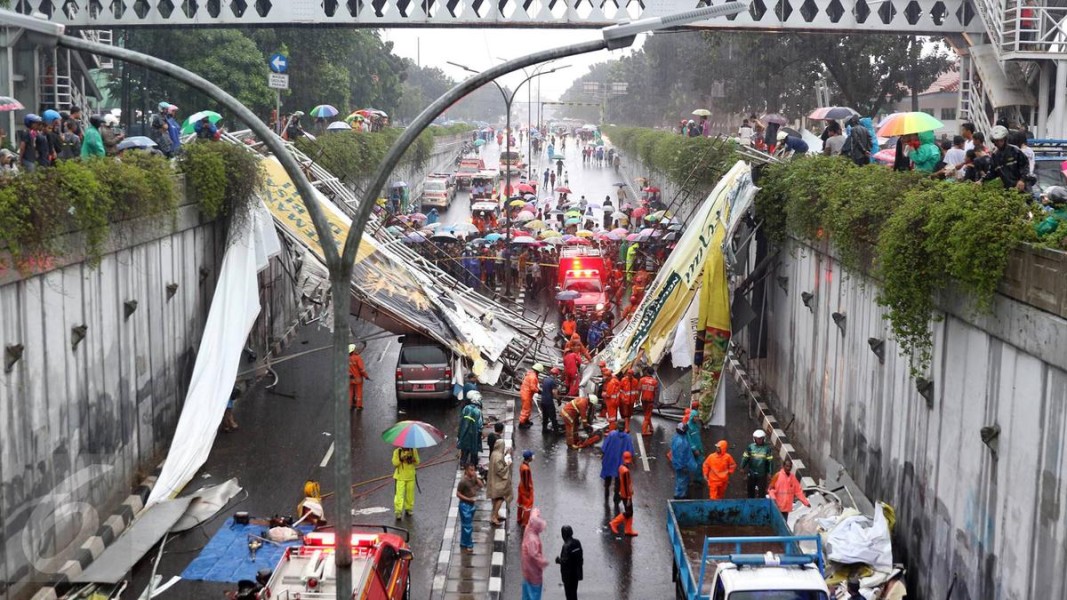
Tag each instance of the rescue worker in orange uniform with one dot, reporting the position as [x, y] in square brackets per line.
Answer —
[575, 344]
[576, 414]
[530, 386]
[626, 492]
[526, 488]
[356, 374]
[629, 388]
[648, 385]
[717, 470]
[611, 390]
[569, 327]
[571, 366]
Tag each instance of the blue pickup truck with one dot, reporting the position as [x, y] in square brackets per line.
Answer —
[741, 550]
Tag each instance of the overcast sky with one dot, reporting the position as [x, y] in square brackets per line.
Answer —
[480, 48]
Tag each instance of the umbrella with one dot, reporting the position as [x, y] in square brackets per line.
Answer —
[610, 236]
[774, 118]
[555, 241]
[563, 189]
[619, 184]
[567, 295]
[572, 213]
[535, 225]
[523, 239]
[558, 157]
[887, 156]
[324, 111]
[7, 103]
[585, 233]
[530, 207]
[636, 237]
[671, 236]
[548, 234]
[338, 126]
[465, 228]
[397, 184]
[572, 221]
[908, 122]
[137, 141]
[578, 242]
[647, 231]
[443, 236]
[413, 434]
[393, 229]
[832, 112]
[190, 123]
[620, 231]
[493, 237]
[415, 238]
[517, 203]
[702, 112]
[355, 115]
[479, 142]
[524, 216]
[416, 217]
[618, 215]
[530, 197]
[656, 216]
[432, 226]
[525, 188]
[626, 206]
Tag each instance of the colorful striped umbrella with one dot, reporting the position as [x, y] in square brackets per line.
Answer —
[324, 111]
[413, 434]
[904, 123]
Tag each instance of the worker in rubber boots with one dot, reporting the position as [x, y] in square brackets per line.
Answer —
[526, 488]
[629, 389]
[647, 386]
[626, 492]
[612, 391]
[572, 364]
[530, 386]
[758, 463]
[356, 374]
[576, 415]
[717, 470]
[681, 455]
[405, 461]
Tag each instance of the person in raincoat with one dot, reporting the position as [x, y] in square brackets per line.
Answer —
[1054, 197]
[869, 125]
[526, 489]
[533, 557]
[785, 487]
[859, 142]
[530, 386]
[631, 257]
[682, 461]
[405, 461]
[357, 373]
[717, 470]
[694, 425]
[469, 440]
[432, 216]
[616, 443]
[927, 155]
[498, 486]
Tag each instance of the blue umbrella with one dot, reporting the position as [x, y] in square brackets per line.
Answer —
[138, 141]
[492, 237]
[324, 111]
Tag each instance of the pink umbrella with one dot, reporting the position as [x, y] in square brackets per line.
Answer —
[578, 242]
[633, 237]
[639, 213]
[647, 231]
[620, 231]
[886, 157]
[530, 206]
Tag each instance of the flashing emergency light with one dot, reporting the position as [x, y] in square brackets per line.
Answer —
[328, 539]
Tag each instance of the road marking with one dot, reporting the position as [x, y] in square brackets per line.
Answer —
[329, 455]
[641, 447]
[381, 355]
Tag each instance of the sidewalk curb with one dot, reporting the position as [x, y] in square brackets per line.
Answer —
[768, 422]
[92, 548]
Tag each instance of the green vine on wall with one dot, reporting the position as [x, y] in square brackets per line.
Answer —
[694, 162]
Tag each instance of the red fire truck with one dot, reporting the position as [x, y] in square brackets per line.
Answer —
[582, 270]
[380, 568]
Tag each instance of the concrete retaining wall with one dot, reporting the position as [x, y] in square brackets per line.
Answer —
[82, 425]
[988, 521]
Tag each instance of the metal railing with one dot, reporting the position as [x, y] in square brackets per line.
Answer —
[102, 36]
[1023, 30]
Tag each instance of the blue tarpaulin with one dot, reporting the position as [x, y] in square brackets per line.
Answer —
[226, 558]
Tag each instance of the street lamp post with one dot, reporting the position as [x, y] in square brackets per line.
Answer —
[508, 100]
[340, 264]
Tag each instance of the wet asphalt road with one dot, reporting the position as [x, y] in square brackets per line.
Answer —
[285, 435]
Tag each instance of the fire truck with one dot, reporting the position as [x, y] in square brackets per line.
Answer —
[381, 565]
[582, 270]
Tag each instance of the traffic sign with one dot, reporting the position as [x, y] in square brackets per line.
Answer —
[279, 63]
[278, 81]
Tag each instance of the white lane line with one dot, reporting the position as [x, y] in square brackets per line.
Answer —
[381, 355]
[329, 455]
[641, 448]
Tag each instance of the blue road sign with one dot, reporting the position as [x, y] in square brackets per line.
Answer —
[279, 63]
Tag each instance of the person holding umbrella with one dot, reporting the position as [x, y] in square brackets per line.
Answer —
[408, 437]
[405, 461]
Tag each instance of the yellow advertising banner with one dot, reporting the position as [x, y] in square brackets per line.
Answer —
[651, 330]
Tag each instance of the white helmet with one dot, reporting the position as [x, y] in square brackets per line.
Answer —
[111, 120]
[593, 399]
[999, 132]
[759, 433]
[474, 396]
